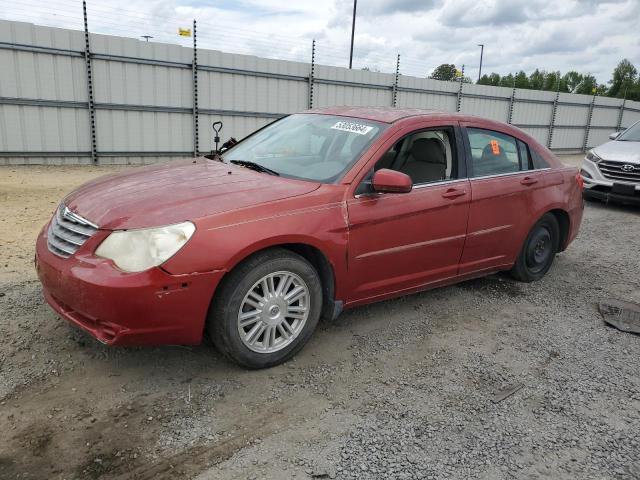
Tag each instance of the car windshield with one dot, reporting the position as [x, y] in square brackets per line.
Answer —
[631, 134]
[308, 146]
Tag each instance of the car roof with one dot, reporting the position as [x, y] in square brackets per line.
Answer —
[385, 114]
[393, 114]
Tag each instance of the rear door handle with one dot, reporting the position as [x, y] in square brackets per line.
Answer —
[453, 193]
[528, 181]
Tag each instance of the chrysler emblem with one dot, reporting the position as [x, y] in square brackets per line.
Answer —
[628, 167]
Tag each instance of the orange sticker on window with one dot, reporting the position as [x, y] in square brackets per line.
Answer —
[495, 148]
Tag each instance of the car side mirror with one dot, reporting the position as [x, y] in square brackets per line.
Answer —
[391, 181]
[614, 135]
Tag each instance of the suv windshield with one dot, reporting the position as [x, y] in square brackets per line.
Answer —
[308, 146]
[631, 134]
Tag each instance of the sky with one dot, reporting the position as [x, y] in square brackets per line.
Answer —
[585, 35]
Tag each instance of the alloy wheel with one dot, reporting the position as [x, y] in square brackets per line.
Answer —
[273, 312]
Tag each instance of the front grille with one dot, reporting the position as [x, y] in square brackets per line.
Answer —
[620, 171]
[68, 232]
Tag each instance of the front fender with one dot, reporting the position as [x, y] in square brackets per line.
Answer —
[220, 244]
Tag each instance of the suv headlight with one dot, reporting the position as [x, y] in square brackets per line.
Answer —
[139, 250]
[593, 157]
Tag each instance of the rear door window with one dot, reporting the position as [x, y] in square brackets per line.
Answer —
[537, 161]
[492, 153]
[525, 157]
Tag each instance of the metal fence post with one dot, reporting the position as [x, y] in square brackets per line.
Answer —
[311, 72]
[459, 106]
[394, 98]
[621, 114]
[554, 112]
[588, 126]
[512, 100]
[194, 70]
[90, 103]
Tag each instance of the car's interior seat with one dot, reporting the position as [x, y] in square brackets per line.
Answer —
[386, 161]
[491, 162]
[427, 161]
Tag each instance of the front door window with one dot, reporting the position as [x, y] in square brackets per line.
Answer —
[426, 156]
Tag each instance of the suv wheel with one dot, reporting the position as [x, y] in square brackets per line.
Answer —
[267, 309]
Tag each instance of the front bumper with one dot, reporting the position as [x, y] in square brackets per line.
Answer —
[597, 186]
[118, 308]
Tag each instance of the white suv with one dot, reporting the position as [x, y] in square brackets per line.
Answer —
[612, 171]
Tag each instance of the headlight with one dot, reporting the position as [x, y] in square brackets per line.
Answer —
[138, 250]
[593, 157]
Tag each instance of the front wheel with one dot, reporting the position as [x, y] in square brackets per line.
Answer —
[538, 251]
[266, 310]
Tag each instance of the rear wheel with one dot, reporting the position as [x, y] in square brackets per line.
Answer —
[266, 310]
[538, 251]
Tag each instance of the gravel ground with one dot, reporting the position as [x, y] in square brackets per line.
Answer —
[409, 388]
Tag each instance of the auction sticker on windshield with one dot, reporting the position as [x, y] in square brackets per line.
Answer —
[352, 127]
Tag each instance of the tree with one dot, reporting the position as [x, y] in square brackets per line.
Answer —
[484, 80]
[552, 82]
[536, 79]
[634, 93]
[446, 71]
[492, 79]
[625, 81]
[507, 80]
[521, 80]
[587, 86]
[625, 76]
[572, 80]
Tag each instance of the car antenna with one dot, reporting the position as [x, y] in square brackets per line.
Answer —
[217, 128]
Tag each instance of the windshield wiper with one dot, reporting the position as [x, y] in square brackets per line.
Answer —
[255, 166]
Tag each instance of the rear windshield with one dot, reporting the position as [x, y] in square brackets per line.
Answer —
[313, 147]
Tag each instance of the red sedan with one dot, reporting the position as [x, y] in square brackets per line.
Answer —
[316, 212]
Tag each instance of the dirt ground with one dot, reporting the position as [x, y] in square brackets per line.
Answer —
[408, 388]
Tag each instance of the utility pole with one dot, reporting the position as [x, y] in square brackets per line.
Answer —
[481, 45]
[146, 37]
[353, 31]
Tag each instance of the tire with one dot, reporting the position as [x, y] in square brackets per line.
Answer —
[271, 329]
[538, 251]
[589, 198]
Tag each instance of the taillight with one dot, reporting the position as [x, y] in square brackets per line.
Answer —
[580, 181]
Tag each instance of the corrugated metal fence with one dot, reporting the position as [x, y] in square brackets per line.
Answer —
[68, 97]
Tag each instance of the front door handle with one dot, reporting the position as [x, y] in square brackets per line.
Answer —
[453, 193]
[528, 181]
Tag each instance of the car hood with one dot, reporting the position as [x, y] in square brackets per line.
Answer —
[177, 191]
[619, 151]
